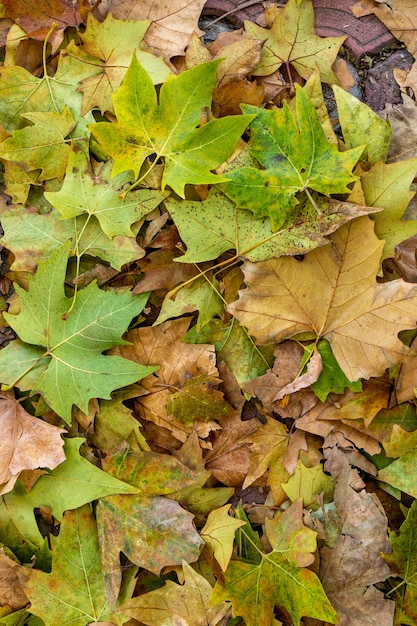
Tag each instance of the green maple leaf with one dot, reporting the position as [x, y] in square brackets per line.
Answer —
[216, 225]
[167, 128]
[279, 577]
[33, 238]
[24, 93]
[109, 46]
[68, 352]
[152, 531]
[43, 145]
[70, 485]
[296, 155]
[73, 593]
[403, 560]
[94, 193]
[292, 40]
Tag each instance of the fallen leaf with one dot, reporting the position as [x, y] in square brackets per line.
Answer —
[26, 442]
[166, 126]
[95, 323]
[228, 98]
[229, 458]
[173, 23]
[37, 19]
[109, 46]
[403, 560]
[279, 578]
[219, 533]
[43, 145]
[388, 186]
[237, 60]
[292, 39]
[163, 344]
[400, 473]
[292, 147]
[70, 485]
[33, 237]
[76, 565]
[96, 194]
[11, 591]
[216, 225]
[310, 484]
[361, 126]
[351, 568]
[268, 445]
[187, 604]
[288, 303]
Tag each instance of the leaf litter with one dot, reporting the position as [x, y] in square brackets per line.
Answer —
[209, 403]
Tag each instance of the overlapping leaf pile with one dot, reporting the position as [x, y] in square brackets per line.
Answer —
[204, 357]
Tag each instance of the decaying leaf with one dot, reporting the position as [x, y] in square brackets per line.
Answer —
[26, 442]
[359, 318]
[187, 604]
[76, 565]
[219, 532]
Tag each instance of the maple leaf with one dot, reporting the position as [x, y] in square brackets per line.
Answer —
[172, 25]
[70, 485]
[279, 578]
[172, 604]
[292, 40]
[24, 93]
[403, 560]
[94, 193]
[268, 445]
[152, 531]
[26, 443]
[359, 318]
[199, 398]
[38, 18]
[296, 155]
[352, 564]
[400, 473]
[67, 353]
[43, 145]
[219, 533]
[233, 346]
[33, 238]
[361, 125]
[387, 185]
[76, 564]
[110, 45]
[216, 225]
[168, 129]
[309, 483]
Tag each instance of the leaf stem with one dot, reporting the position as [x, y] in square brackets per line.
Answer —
[53, 28]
